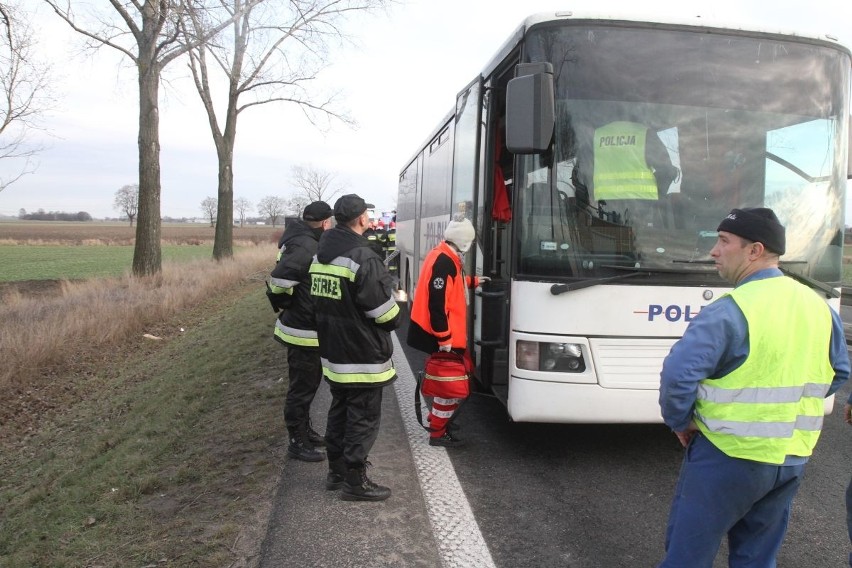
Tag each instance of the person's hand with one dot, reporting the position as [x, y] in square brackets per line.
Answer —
[686, 436]
[445, 348]
[484, 279]
[847, 413]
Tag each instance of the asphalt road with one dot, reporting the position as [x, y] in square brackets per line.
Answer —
[576, 496]
[598, 496]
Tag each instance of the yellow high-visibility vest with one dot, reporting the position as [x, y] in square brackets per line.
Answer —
[621, 171]
[772, 405]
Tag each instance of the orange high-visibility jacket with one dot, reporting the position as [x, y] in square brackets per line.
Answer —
[439, 310]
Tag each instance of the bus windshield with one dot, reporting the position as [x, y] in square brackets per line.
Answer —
[660, 133]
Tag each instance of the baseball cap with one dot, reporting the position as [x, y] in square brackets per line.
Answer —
[317, 211]
[349, 207]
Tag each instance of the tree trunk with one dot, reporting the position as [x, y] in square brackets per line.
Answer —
[223, 242]
[147, 254]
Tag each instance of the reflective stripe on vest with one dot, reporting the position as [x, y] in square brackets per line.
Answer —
[295, 336]
[282, 285]
[620, 168]
[772, 405]
[358, 372]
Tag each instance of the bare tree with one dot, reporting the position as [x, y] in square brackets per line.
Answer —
[271, 54]
[297, 204]
[242, 207]
[24, 89]
[209, 208]
[146, 32]
[316, 184]
[127, 200]
[272, 207]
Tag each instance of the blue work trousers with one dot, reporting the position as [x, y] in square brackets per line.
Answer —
[717, 495]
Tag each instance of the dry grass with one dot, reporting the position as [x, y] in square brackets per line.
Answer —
[144, 452]
[43, 334]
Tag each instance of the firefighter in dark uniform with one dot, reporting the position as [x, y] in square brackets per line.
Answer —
[375, 239]
[390, 249]
[356, 313]
[290, 292]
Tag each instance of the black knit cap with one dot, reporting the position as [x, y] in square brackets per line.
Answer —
[350, 206]
[317, 211]
[757, 224]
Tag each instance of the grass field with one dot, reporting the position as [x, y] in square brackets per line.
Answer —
[48, 262]
[170, 456]
[32, 250]
[104, 233]
[141, 422]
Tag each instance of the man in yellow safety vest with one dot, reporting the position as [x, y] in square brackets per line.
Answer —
[743, 391]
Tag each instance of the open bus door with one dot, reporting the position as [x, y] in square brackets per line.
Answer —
[520, 110]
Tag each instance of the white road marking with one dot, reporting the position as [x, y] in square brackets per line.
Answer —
[456, 531]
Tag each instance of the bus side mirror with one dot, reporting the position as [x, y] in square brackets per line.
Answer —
[530, 109]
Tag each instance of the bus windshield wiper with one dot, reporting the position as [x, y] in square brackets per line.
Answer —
[806, 280]
[557, 289]
[663, 270]
[812, 283]
[631, 271]
[690, 261]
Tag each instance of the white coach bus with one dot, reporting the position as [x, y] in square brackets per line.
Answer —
[589, 287]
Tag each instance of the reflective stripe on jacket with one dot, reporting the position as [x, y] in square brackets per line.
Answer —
[771, 406]
[621, 171]
[295, 336]
[290, 283]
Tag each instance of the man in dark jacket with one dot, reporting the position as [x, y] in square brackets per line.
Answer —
[290, 292]
[356, 313]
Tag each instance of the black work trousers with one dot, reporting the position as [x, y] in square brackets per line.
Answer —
[305, 376]
[353, 423]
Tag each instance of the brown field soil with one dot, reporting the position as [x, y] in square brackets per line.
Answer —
[104, 233]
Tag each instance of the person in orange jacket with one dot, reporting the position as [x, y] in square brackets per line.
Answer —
[439, 320]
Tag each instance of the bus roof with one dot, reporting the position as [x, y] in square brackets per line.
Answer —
[698, 22]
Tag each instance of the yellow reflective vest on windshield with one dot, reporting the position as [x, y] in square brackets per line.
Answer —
[771, 406]
[621, 171]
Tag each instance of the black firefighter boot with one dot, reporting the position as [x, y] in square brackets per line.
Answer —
[358, 487]
[301, 449]
[336, 474]
[315, 438]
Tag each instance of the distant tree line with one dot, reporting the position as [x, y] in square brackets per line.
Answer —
[42, 215]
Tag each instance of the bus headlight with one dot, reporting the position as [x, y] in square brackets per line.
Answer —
[559, 357]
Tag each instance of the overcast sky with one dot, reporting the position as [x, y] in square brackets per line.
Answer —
[398, 83]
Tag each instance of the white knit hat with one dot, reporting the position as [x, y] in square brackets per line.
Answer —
[460, 233]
